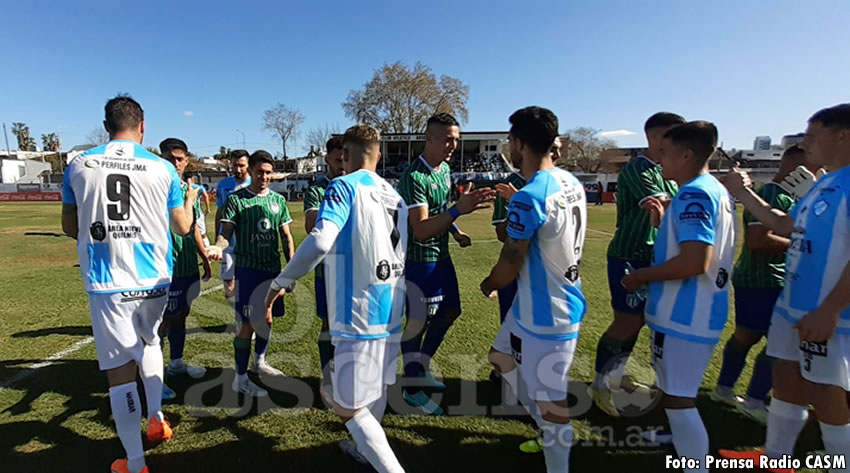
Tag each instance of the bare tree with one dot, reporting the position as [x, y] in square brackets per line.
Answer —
[283, 122]
[98, 136]
[22, 133]
[50, 142]
[583, 148]
[318, 136]
[399, 99]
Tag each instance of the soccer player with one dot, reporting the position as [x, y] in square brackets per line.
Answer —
[758, 279]
[810, 329]
[631, 245]
[258, 219]
[119, 201]
[312, 201]
[241, 178]
[542, 252]
[360, 233]
[203, 197]
[186, 280]
[433, 299]
[688, 300]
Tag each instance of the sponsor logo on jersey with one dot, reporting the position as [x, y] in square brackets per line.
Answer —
[722, 278]
[693, 196]
[264, 225]
[514, 223]
[97, 231]
[331, 195]
[814, 348]
[694, 211]
[820, 207]
[383, 270]
[516, 348]
[92, 163]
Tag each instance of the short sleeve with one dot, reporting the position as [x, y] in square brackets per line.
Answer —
[643, 183]
[68, 191]
[526, 214]
[412, 191]
[336, 203]
[285, 216]
[694, 215]
[175, 190]
[312, 200]
[500, 211]
[231, 210]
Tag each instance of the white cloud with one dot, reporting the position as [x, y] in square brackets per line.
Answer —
[188, 113]
[616, 133]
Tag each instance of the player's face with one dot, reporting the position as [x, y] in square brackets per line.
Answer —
[240, 168]
[444, 139]
[672, 158]
[261, 173]
[178, 158]
[556, 149]
[821, 144]
[516, 155]
[334, 162]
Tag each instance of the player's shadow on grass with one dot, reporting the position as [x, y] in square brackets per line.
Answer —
[81, 330]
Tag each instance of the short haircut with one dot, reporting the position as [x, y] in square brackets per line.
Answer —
[442, 119]
[235, 154]
[362, 135]
[833, 117]
[699, 136]
[663, 120]
[535, 126]
[334, 143]
[123, 113]
[259, 157]
[793, 151]
[170, 144]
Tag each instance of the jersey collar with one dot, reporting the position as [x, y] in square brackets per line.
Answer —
[426, 164]
[643, 156]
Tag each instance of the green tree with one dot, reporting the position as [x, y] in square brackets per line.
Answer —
[22, 133]
[51, 142]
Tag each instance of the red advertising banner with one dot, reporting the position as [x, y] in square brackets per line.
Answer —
[30, 197]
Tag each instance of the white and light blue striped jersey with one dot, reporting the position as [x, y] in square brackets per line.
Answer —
[695, 308]
[227, 186]
[820, 248]
[551, 211]
[123, 194]
[364, 271]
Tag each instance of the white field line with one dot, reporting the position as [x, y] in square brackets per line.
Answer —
[59, 355]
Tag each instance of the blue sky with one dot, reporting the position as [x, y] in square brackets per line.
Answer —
[201, 71]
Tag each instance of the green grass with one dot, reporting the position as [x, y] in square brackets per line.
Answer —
[58, 417]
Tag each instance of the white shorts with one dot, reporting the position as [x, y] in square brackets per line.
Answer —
[124, 322]
[202, 224]
[228, 264]
[361, 368]
[543, 364]
[822, 363]
[679, 364]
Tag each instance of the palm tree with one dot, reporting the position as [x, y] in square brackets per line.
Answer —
[51, 142]
[22, 132]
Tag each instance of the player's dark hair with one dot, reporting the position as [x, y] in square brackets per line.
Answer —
[235, 154]
[699, 136]
[362, 135]
[663, 120]
[122, 113]
[334, 143]
[170, 144]
[259, 157]
[441, 119]
[833, 117]
[535, 126]
[793, 151]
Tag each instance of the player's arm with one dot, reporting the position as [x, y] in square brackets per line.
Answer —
[182, 209]
[694, 258]
[763, 240]
[502, 231]
[287, 242]
[739, 185]
[219, 204]
[425, 227]
[508, 267]
[819, 325]
[69, 220]
[311, 208]
[229, 217]
[643, 185]
[206, 200]
[202, 251]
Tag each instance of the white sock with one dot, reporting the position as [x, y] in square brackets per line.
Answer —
[784, 423]
[557, 441]
[151, 370]
[127, 411]
[689, 435]
[378, 407]
[836, 441]
[519, 389]
[177, 362]
[260, 359]
[372, 442]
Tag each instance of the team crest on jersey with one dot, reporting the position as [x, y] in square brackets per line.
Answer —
[722, 278]
[572, 273]
[97, 231]
[820, 207]
[264, 225]
[434, 186]
[383, 270]
[562, 204]
[275, 207]
[694, 211]
[92, 163]
[331, 195]
[513, 222]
